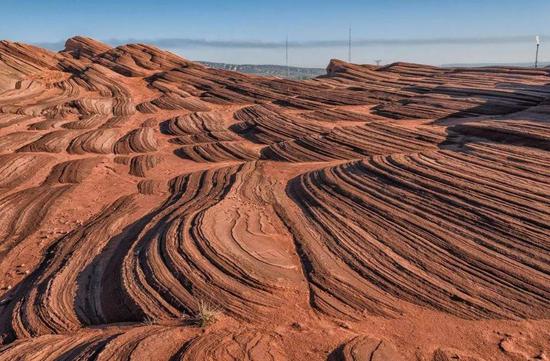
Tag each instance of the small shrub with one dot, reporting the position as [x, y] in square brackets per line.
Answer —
[148, 321]
[206, 315]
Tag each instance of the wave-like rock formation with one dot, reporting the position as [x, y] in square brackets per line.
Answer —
[364, 348]
[355, 142]
[154, 208]
[434, 216]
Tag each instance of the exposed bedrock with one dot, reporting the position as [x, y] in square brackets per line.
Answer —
[155, 208]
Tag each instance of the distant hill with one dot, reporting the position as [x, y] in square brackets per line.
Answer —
[473, 65]
[269, 70]
[307, 73]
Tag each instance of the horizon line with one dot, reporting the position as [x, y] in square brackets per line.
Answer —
[179, 43]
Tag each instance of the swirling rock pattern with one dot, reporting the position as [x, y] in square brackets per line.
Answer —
[364, 348]
[440, 207]
[375, 213]
[246, 345]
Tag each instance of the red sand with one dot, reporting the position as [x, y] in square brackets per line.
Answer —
[391, 213]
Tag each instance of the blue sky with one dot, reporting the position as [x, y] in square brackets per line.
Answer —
[426, 31]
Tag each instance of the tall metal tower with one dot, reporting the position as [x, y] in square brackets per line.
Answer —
[286, 57]
[349, 45]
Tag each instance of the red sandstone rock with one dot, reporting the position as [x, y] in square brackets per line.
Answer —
[409, 203]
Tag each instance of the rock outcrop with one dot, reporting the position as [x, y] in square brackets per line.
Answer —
[374, 213]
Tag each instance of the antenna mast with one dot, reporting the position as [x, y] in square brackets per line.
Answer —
[349, 45]
[537, 39]
[286, 57]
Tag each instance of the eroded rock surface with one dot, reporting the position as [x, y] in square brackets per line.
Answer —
[375, 213]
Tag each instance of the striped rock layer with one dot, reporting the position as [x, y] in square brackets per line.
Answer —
[399, 212]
